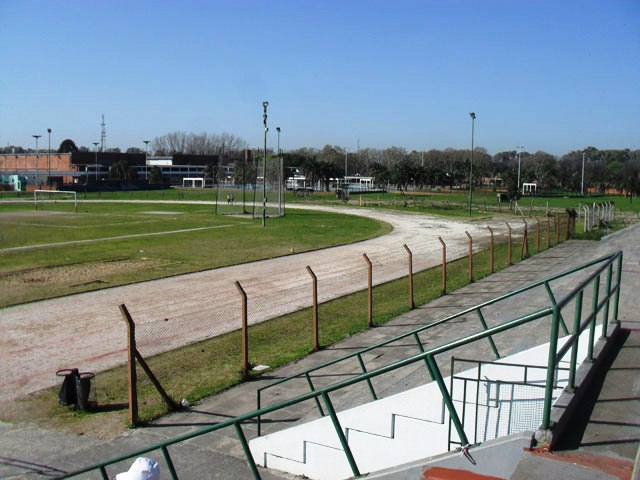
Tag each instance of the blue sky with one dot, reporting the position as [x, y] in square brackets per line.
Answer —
[549, 75]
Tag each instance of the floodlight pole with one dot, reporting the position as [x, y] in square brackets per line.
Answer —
[582, 184]
[520, 149]
[96, 150]
[146, 145]
[265, 104]
[473, 119]
[49, 159]
[37, 155]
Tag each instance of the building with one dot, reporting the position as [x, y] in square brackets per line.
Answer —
[53, 170]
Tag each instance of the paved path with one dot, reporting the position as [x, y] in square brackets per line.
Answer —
[86, 330]
[36, 453]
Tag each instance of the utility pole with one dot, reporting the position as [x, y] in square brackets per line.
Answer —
[473, 119]
[37, 155]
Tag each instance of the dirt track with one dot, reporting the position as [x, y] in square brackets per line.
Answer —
[87, 331]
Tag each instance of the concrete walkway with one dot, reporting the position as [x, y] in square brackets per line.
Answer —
[28, 452]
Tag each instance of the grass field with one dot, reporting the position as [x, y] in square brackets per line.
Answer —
[54, 251]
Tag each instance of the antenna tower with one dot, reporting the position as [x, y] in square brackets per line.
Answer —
[103, 135]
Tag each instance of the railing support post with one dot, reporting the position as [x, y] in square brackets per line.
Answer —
[412, 304]
[131, 365]
[444, 266]
[594, 312]
[574, 349]
[551, 369]
[470, 256]
[316, 330]
[435, 373]
[341, 436]
[245, 332]
[369, 290]
[491, 268]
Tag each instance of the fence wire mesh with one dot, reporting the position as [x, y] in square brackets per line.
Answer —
[195, 349]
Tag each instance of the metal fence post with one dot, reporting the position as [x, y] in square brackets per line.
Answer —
[510, 243]
[537, 236]
[316, 336]
[131, 365]
[525, 242]
[557, 229]
[491, 250]
[369, 290]
[548, 232]
[245, 332]
[411, 302]
[470, 256]
[444, 266]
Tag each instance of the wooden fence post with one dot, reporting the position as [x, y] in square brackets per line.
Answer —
[245, 332]
[131, 365]
[370, 290]
[548, 232]
[510, 243]
[470, 256]
[444, 266]
[490, 250]
[316, 332]
[411, 302]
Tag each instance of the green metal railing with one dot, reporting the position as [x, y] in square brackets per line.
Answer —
[612, 292]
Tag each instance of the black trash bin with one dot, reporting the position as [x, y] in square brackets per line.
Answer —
[68, 393]
[85, 391]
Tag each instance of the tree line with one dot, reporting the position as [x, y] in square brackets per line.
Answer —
[396, 167]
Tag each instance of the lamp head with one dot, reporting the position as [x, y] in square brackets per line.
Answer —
[278, 129]
[48, 130]
[265, 104]
[472, 115]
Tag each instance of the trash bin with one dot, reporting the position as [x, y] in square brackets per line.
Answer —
[67, 394]
[85, 391]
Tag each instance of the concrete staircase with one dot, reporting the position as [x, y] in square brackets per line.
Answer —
[414, 424]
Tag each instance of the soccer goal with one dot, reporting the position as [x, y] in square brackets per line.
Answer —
[44, 197]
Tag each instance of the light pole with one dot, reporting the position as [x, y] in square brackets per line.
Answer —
[49, 159]
[582, 184]
[346, 164]
[96, 150]
[265, 104]
[473, 119]
[36, 137]
[278, 130]
[146, 144]
[520, 150]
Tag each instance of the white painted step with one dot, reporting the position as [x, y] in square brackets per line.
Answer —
[404, 427]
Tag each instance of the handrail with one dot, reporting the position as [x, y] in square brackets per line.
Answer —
[427, 356]
[476, 308]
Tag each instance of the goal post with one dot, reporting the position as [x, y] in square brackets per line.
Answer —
[53, 196]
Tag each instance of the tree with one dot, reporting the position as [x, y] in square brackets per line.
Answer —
[134, 150]
[212, 172]
[122, 171]
[67, 146]
[198, 143]
[155, 175]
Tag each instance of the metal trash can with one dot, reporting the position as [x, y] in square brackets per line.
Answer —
[68, 393]
[85, 391]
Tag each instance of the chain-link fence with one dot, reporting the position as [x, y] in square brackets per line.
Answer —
[198, 348]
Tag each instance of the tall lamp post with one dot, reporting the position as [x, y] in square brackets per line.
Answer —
[582, 183]
[265, 104]
[473, 119]
[146, 144]
[49, 159]
[37, 155]
[520, 150]
[96, 150]
[278, 130]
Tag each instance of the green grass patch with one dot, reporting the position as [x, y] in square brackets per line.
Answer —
[110, 244]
